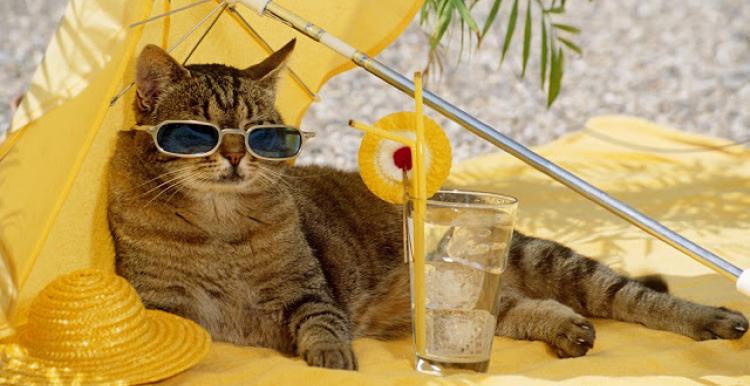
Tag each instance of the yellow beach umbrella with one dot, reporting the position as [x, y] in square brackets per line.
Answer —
[53, 169]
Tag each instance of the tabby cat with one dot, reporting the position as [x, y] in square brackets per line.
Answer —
[305, 259]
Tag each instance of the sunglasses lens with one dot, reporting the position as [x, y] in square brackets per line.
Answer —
[187, 138]
[275, 141]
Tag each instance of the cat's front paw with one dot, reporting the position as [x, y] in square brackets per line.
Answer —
[338, 355]
[574, 337]
[719, 323]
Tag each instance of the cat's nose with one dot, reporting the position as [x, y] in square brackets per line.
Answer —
[234, 158]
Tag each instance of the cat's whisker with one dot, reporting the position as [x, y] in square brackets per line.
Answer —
[285, 175]
[166, 182]
[162, 175]
[172, 174]
[280, 177]
[268, 174]
[176, 182]
[264, 180]
[184, 174]
[270, 183]
[178, 188]
[159, 194]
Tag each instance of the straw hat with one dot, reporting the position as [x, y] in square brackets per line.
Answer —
[90, 327]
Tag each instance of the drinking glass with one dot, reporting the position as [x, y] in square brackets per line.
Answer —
[466, 240]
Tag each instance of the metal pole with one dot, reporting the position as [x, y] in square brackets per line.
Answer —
[519, 151]
[556, 172]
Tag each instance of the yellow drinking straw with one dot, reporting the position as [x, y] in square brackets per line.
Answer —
[382, 133]
[420, 207]
[419, 187]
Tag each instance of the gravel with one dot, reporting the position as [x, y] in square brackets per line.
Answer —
[685, 65]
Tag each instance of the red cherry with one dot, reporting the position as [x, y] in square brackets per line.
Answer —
[402, 158]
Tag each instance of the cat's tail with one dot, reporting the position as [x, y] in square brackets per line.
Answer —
[655, 282]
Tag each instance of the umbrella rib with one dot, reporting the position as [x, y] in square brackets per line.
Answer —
[179, 41]
[196, 26]
[165, 14]
[203, 36]
[269, 49]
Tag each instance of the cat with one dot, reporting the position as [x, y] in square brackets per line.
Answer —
[305, 259]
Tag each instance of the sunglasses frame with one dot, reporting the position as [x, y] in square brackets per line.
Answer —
[154, 130]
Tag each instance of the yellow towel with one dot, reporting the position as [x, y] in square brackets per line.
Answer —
[704, 195]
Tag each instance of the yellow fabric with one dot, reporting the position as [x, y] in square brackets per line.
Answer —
[704, 195]
[53, 176]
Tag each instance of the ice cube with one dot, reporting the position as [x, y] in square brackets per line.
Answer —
[481, 247]
[482, 242]
[459, 334]
[451, 285]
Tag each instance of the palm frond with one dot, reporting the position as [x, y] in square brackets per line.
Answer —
[444, 14]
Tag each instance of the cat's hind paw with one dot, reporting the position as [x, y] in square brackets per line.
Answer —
[720, 323]
[575, 337]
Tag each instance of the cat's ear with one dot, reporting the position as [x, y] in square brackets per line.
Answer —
[155, 69]
[268, 70]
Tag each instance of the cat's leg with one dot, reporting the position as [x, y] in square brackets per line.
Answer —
[321, 332]
[385, 311]
[290, 291]
[543, 268]
[568, 333]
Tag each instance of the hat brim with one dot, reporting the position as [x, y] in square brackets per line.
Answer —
[172, 345]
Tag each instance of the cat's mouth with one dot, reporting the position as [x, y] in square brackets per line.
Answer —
[232, 177]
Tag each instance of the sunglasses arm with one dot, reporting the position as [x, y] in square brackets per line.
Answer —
[147, 128]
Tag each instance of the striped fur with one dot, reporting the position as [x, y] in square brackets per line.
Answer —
[304, 259]
[544, 275]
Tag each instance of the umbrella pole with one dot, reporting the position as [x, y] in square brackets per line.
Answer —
[488, 133]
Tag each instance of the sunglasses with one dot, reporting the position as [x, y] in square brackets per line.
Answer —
[193, 139]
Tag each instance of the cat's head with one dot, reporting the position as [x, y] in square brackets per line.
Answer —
[225, 96]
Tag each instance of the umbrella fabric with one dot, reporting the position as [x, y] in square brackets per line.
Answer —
[53, 172]
[703, 194]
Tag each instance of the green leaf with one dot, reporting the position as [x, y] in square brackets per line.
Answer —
[567, 28]
[466, 15]
[445, 16]
[425, 12]
[543, 65]
[511, 28]
[555, 10]
[526, 39]
[490, 18]
[555, 75]
[570, 45]
[429, 7]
